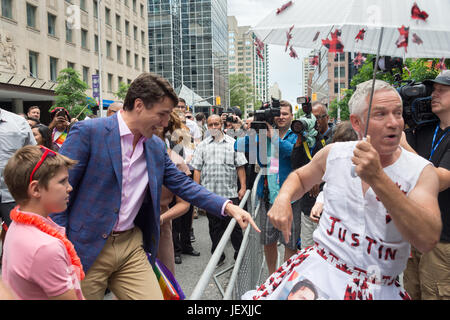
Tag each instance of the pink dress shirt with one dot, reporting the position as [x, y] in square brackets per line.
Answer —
[134, 177]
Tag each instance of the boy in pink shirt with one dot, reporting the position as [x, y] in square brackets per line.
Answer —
[39, 262]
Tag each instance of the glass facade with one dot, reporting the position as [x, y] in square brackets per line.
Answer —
[205, 48]
[188, 44]
[165, 40]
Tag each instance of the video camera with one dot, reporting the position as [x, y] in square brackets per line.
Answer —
[416, 96]
[266, 113]
[416, 99]
[388, 64]
[301, 125]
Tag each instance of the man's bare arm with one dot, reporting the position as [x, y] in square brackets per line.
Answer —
[416, 216]
[242, 181]
[294, 187]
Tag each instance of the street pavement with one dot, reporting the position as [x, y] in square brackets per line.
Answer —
[190, 270]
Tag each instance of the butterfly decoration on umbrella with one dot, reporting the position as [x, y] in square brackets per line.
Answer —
[314, 61]
[288, 37]
[284, 7]
[360, 35]
[334, 44]
[293, 53]
[418, 14]
[359, 60]
[259, 48]
[416, 39]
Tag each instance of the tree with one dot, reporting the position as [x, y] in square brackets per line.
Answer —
[343, 104]
[70, 93]
[122, 92]
[242, 91]
[416, 69]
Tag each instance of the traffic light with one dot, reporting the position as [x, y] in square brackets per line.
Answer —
[218, 102]
[296, 107]
[314, 97]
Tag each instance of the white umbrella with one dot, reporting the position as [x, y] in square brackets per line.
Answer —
[304, 23]
[308, 17]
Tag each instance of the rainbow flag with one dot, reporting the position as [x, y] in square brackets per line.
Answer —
[61, 139]
[170, 288]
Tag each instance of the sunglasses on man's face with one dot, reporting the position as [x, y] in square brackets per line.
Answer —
[46, 153]
[190, 117]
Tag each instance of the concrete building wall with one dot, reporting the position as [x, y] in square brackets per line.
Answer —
[27, 28]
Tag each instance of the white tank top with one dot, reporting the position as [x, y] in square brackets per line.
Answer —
[356, 228]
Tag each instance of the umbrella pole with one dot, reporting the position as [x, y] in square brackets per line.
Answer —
[375, 69]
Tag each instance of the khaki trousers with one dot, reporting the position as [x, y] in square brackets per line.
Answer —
[427, 276]
[123, 267]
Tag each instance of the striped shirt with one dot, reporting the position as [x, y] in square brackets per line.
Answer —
[217, 161]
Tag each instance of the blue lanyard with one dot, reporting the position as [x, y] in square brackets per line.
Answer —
[433, 145]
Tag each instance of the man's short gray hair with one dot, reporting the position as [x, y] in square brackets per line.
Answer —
[358, 102]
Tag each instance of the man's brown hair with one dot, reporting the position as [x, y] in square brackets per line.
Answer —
[150, 88]
[19, 167]
[33, 107]
[284, 103]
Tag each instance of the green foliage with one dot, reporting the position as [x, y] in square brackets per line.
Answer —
[419, 70]
[242, 91]
[122, 92]
[70, 93]
[343, 104]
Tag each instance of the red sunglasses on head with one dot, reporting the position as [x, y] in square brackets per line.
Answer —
[47, 152]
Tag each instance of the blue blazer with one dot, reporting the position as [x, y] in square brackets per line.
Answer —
[94, 203]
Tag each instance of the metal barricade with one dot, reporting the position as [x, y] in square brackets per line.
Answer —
[247, 269]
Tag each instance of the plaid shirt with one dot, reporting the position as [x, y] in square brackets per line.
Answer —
[217, 161]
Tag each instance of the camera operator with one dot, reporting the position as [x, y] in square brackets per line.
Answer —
[309, 142]
[269, 185]
[427, 275]
[319, 110]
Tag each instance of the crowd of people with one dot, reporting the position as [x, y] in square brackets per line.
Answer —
[88, 206]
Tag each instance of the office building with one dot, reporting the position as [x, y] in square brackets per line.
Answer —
[318, 84]
[38, 38]
[244, 59]
[204, 38]
[164, 35]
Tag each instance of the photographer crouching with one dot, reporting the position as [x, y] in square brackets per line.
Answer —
[270, 141]
[309, 142]
[427, 275]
